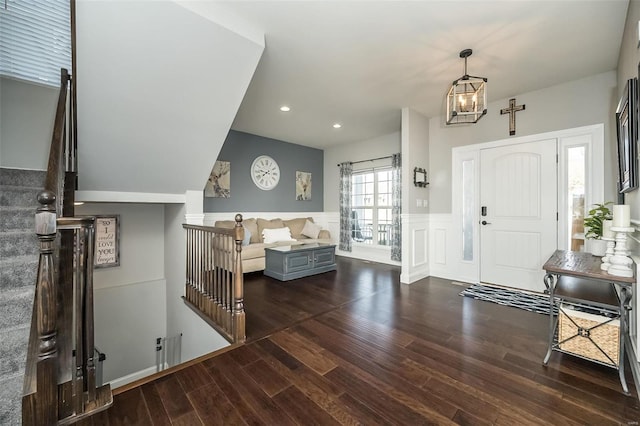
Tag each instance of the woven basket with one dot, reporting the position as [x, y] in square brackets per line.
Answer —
[606, 336]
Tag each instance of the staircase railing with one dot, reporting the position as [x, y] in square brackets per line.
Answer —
[60, 384]
[214, 282]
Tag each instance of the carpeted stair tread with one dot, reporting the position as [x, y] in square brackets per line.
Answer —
[18, 272]
[16, 306]
[18, 243]
[25, 178]
[13, 349]
[19, 196]
[17, 218]
[10, 405]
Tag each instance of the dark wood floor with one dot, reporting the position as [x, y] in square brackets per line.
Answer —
[356, 347]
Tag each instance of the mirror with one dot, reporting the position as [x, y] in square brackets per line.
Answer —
[420, 177]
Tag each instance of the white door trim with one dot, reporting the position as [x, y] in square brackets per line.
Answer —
[595, 183]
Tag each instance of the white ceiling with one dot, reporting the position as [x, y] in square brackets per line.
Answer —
[360, 62]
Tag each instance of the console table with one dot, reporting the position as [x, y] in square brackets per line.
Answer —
[290, 262]
[575, 279]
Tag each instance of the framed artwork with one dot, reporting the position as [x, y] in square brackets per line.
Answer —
[107, 241]
[303, 186]
[219, 182]
[627, 121]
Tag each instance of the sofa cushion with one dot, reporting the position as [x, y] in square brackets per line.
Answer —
[325, 235]
[225, 223]
[296, 226]
[267, 224]
[249, 224]
[253, 251]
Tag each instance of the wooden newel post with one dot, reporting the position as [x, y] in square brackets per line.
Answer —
[238, 286]
[46, 311]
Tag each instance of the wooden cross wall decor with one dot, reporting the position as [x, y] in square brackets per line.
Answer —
[512, 114]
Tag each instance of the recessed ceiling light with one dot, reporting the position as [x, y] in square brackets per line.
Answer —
[285, 108]
[78, 203]
[337, 125]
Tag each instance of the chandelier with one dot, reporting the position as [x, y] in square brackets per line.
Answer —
[467, 97]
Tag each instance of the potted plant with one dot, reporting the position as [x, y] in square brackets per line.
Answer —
[594, 227]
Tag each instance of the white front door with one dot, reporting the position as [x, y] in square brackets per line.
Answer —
[518, 225]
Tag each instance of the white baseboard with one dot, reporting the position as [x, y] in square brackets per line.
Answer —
[121, 381]
[413, 277]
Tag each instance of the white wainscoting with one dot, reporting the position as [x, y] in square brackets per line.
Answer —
[633, 347]
[445, 248]
[415, 251]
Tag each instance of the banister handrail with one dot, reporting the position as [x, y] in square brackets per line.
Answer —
[57, 140]
[60, 385]
[214, 279]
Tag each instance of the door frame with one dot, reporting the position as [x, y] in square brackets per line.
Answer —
[470, 154]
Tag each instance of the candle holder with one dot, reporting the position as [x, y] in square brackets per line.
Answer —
[606, 259]
[620, 261]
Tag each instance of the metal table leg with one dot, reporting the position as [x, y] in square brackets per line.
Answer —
[625, 295]
[550, 281]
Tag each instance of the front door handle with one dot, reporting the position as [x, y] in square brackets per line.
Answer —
[484, 222]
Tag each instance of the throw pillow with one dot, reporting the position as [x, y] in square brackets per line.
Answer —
[276, 234]
[311, 230]
[268, 224]
[247, 237]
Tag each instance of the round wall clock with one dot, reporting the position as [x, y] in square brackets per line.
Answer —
[265, 172]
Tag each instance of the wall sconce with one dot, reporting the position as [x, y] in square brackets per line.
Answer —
[420, 177]
[467, 97]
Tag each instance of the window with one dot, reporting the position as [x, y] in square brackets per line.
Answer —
[371, 206]
[35, 40]
[576, 170]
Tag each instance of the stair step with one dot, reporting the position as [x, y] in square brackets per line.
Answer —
[17, 218]
[18, 243]
[11, 399]
[16, 306]
[13, 351]
[19, 196]
[19, 177]
[18, 273]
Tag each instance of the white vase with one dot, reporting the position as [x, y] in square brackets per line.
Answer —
[597, 247]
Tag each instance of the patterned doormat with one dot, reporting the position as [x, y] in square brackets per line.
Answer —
[532, 302]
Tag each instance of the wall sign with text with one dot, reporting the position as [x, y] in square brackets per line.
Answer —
[107, 241]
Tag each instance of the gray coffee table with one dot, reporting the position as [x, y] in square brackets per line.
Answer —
[290, 262]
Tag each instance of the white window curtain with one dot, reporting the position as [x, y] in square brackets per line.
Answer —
[346, 171]
[35, 40]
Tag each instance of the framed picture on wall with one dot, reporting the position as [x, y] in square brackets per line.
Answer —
[107, 241]
[627, 128]
[219, 182]
[303, 186]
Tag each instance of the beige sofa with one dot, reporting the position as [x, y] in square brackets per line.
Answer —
[253, 254]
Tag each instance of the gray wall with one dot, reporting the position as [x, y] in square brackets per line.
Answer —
[241, 149]
[130, 299]
[628, 68]
[27, 111]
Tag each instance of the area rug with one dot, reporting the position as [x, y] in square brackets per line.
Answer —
[531, 302]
